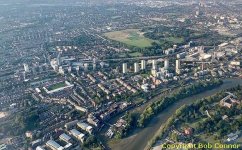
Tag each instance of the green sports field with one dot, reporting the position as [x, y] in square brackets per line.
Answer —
[131, 37]
[56, 86]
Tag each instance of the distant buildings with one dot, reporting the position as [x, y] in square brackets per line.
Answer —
[29, 134]
[53, 145]
[136, 67]
[26, 67]
[154, 64]
[178, 66]
[188, 131]
[85, 127]
[71, 124]
[65, 137]
[39, 148]
[229, 101]
[80, 136]
[58, 59]
[125, 68]
[86, 66]
[58, 87]
[166, 64]
[143, 64]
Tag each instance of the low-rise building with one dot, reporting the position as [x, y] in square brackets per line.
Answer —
[80, 136]
[85, 127]
[40, 148]
[71, 124]
[65, 137]
[53, 145]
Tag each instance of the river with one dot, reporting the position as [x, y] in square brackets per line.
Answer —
[139, 139]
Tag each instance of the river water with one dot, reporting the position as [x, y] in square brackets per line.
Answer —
[139, 139]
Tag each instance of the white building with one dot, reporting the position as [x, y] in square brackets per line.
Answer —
[86, 66]
[26, 67]
[136, 67]
[85, 126]
[39, 148]
[125, 68]
[65, 137]
[53, 145]
[166, 64]
[143, 64]
[178, 66]
[58, 59]
[80, 136]
[235, 63]
[154, 64]
[54, 65]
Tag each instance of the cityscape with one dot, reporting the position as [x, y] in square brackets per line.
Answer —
[120, 74]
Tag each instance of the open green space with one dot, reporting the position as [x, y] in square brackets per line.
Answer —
[56, 86]
[135, 54]
[208, 138]
[132, 37]
[176, 40]
[116, 17]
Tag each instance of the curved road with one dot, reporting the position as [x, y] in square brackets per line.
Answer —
[139, 139]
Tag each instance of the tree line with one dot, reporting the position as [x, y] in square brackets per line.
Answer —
[183, 92]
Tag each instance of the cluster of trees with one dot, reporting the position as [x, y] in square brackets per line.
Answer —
[184, 92]
[130, 118]
[92, 143]
[195, 113]
[161, 32]
[218, 127]
[21, 123]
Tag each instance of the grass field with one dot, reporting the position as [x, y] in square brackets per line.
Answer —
[209, 139]
[131, 37]
[175, 40]
[56, 86]
[135, 54]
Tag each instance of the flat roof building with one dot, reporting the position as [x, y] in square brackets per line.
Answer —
[65, 137]
[77, 134]
[85, 126]
[40, 148]
[53, 145]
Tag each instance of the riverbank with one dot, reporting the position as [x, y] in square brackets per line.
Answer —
[140, 137]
